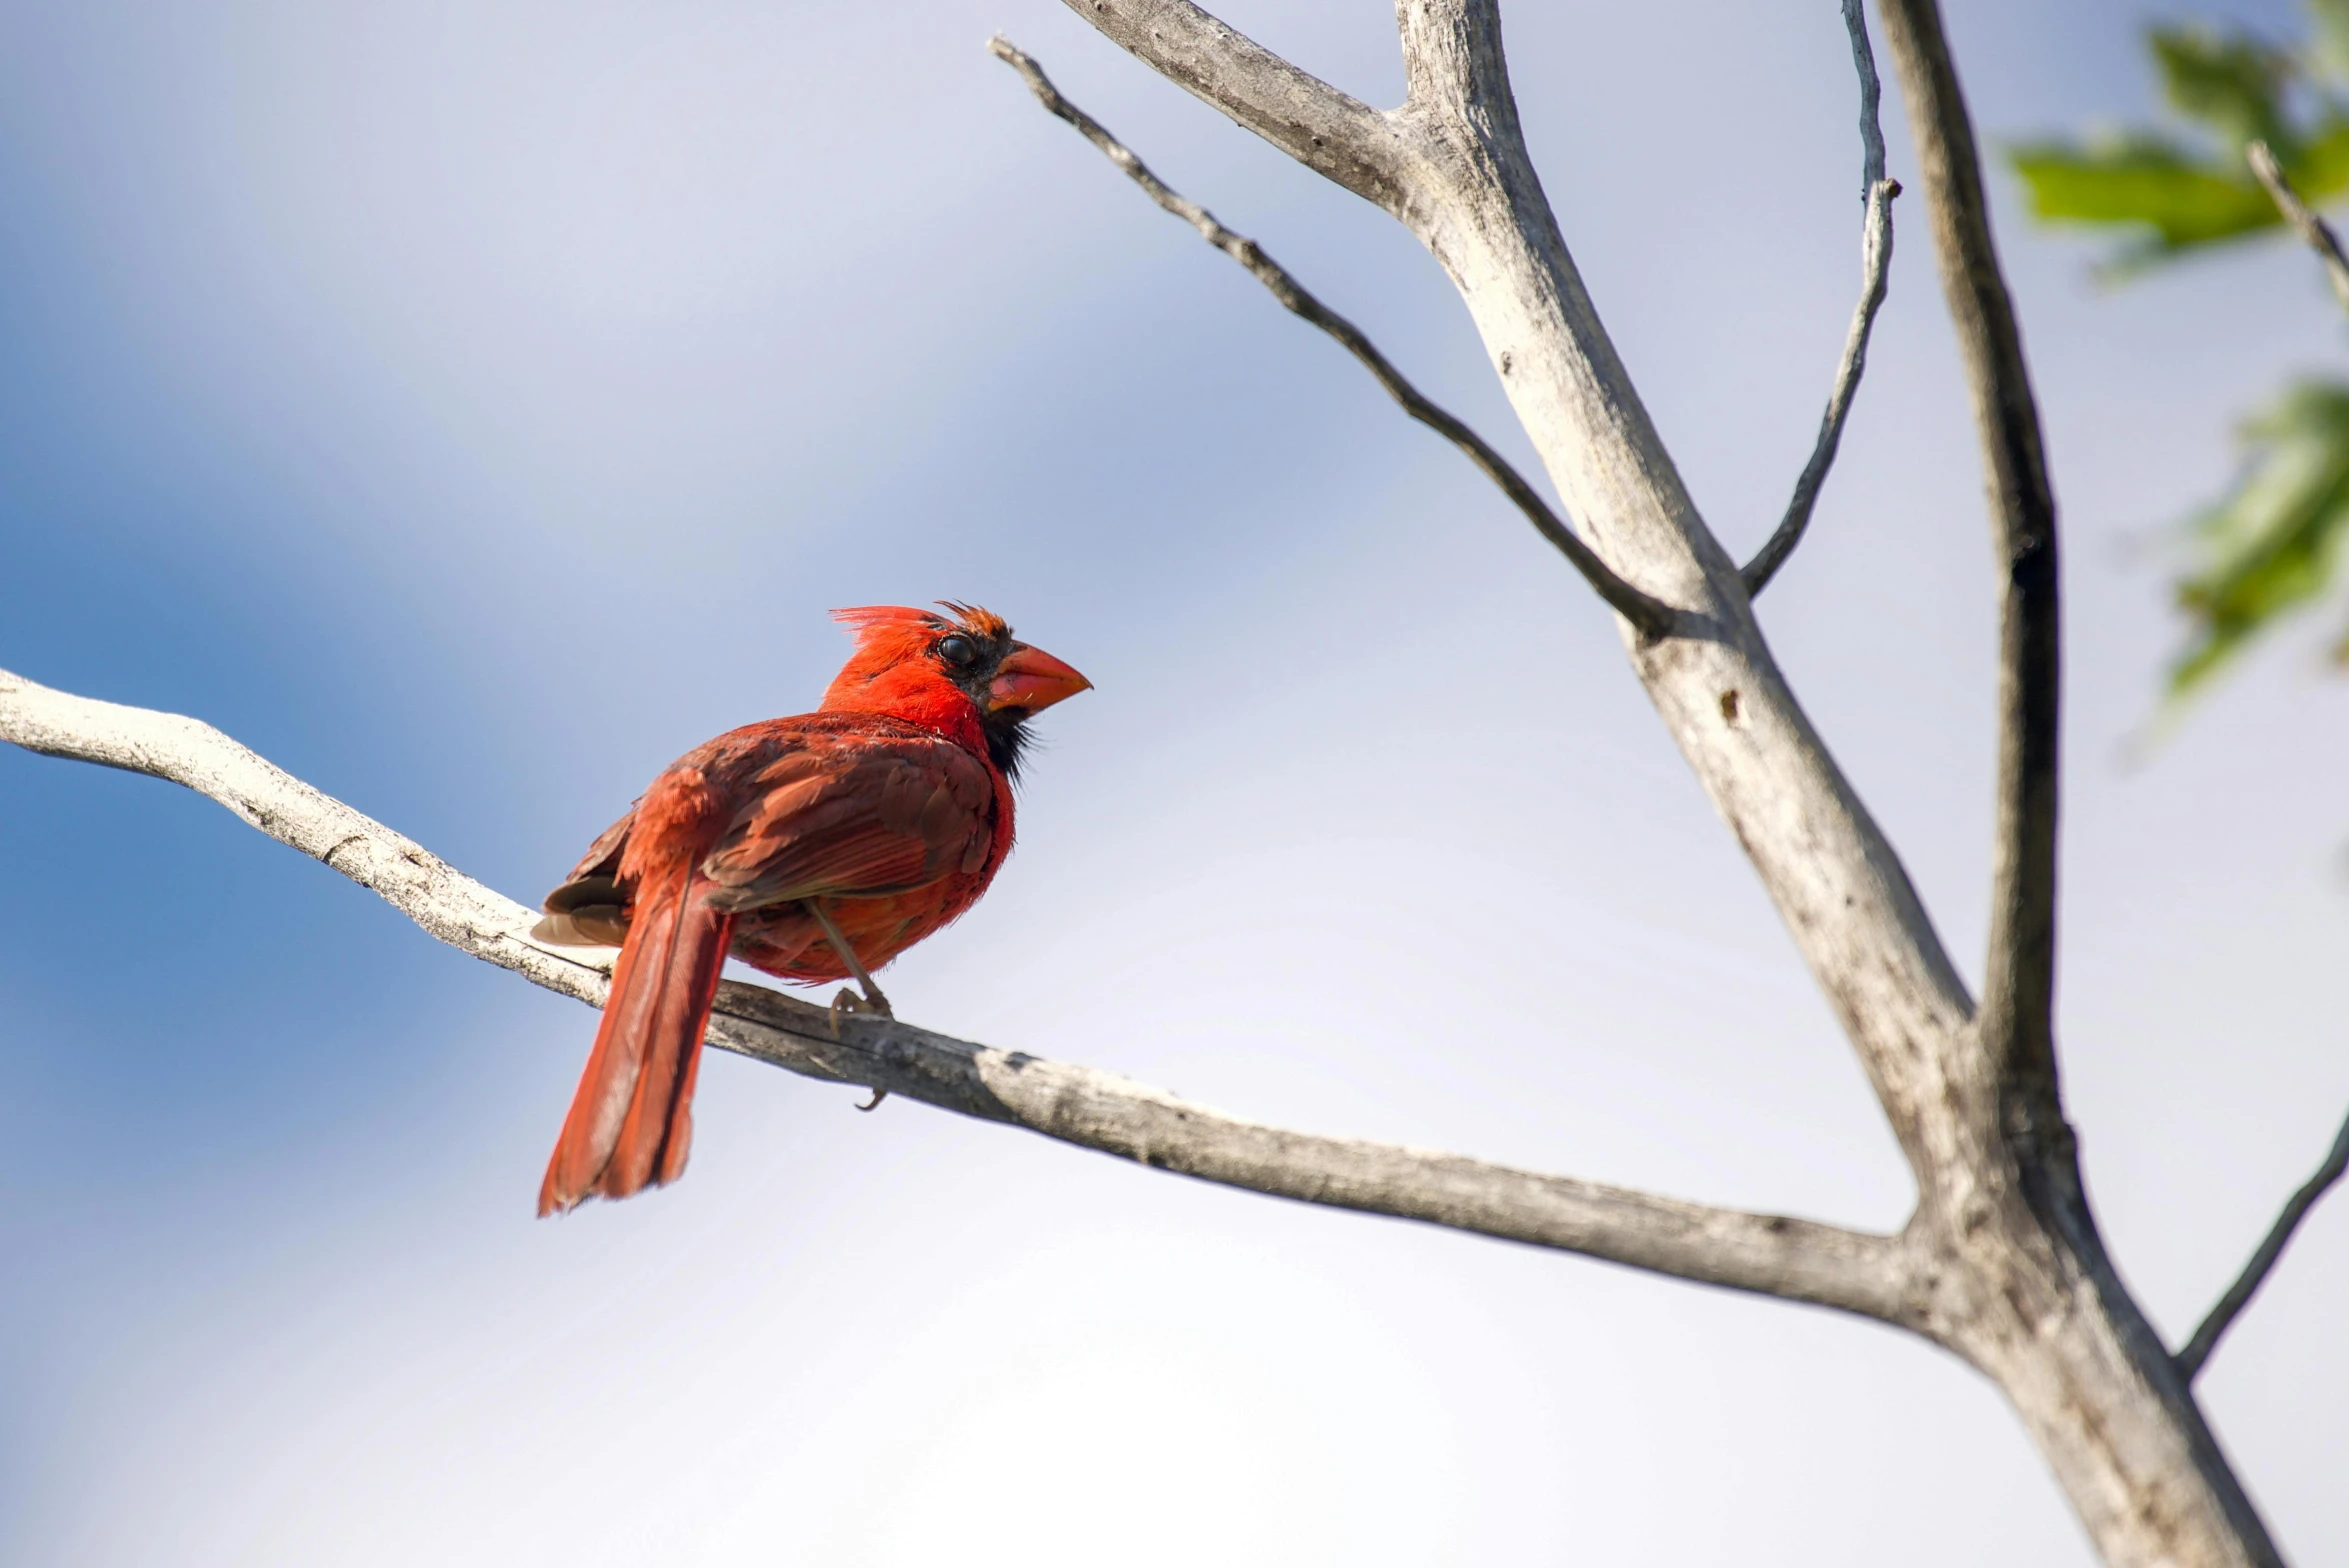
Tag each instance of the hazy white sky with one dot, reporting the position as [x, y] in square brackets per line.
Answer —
[473, 406]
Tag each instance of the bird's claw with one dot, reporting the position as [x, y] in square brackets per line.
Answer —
[878, 1096]
[871, 1004]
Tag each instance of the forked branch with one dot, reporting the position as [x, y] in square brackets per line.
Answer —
[1876, 194]
[1653, 617]
[1793, 1259]
[2016, 1276]
[2263, 1262]
[2311, 228]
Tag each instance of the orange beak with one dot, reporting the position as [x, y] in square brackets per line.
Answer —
[1032, 680]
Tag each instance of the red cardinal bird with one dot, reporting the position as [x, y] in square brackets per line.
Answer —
[815, 848]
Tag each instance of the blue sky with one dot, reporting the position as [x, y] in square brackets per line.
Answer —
[471, 407]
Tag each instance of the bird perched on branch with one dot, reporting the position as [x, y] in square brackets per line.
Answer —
[816, 848]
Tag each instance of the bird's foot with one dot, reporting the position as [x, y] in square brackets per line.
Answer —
[871, 1004]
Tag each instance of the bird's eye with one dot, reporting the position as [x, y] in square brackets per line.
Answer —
[957, 649]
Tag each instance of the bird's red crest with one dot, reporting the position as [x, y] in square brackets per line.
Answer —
[890, 623]
[890, 672]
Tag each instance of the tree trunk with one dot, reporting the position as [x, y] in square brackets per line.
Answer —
[2018, 1282]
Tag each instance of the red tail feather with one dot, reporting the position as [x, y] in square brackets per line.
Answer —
[631, 1123]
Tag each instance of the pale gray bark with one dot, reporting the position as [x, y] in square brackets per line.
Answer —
[1769, 1254]
[1323, 129]
[2013, 1274]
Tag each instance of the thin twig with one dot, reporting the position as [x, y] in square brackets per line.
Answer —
[2263, 1262]
[1652, 616]
[2015, 1022]
[1876, 193]
[2197, 1351]
[2318, 233]
[1863, 62]
[1796, 1260]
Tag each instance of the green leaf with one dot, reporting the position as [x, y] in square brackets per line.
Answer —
[2269, 547]
[2232, 82]
[2184, 198]
[2180, 196]
[2321, 171]
[2328, 45]
[2177, 197]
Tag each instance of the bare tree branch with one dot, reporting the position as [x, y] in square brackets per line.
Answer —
[2318, 233]
[1652, 616]
[2085, 1370]
[1796, 1260]
[1847, 902]
[1876, 194]
[2016, 1019]
[2230, 1306]
[1336, 136]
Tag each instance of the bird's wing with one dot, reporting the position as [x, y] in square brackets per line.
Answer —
[603, 856]
[853, 816]
[589, 909]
